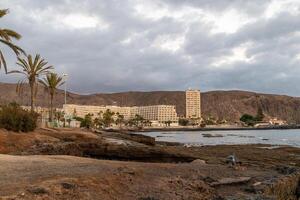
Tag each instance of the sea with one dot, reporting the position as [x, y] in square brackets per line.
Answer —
[289, 137]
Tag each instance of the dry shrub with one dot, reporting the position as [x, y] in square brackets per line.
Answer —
[287, 188]
[14, 118]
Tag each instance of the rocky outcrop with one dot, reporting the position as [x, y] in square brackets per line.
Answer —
[108, 145]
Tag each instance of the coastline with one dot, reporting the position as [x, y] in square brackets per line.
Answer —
[131, 162]
[179, 129]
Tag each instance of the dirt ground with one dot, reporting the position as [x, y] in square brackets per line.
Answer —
[265, 173]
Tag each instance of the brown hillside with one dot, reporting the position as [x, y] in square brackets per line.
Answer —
[228, 105]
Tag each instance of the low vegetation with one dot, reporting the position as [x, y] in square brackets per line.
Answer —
[183, 122]
[250, 120]
[14, 118]
[108, 118]
[286, 188]
[86, 122]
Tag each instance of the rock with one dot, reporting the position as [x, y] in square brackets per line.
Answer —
[250, 189]
[257, 184]
[199, 162]
[208, 179]
[37, 190]
[211, 135]
[143, 139]
[133, 152]
[68, 186]
[286, 170]
[103, 149]
[230, 181]
[148, 198]
[298, 190]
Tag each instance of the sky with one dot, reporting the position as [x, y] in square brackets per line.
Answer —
[146, 45]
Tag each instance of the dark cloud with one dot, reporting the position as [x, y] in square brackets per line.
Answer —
[109, 46]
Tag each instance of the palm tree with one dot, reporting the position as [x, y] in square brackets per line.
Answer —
[107, 118]
[6, 37]
[51, 83]
[32, 69]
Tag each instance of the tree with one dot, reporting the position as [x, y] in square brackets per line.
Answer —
[138, 121]
[87, 121]
[183, 122]
[6, 37]
[248, 119]
[98, 122]
[58, 115]
[107, 118]
[51, 83]
[260, 115]
[147, 123]
[168, 123]
[32, 69]
[120, 120]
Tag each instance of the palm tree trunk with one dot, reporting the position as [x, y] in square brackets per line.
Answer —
[51, 108]
[32, 96]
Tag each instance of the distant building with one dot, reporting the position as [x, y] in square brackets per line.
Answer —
[82, 110]
[277, 122]
[157, 114]
[193, 104]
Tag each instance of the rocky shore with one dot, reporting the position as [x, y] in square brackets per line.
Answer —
[78, 164]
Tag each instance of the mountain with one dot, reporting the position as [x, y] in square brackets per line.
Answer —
[229, 105]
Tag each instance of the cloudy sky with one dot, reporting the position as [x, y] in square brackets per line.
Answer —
[121, 45]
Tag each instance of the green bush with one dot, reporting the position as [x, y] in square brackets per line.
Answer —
[183, 122]
[87, 121]
[248, 119]
[14, 118]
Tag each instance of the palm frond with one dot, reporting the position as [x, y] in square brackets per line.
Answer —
[6, 37]
[3, 62]
[20, 87]
[17, 50]
[23, 63]
[3, 12]
[9, 34]
[52, 81]
[16, 72]
[33, 68]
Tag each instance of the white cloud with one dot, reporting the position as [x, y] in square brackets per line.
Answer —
[70, 20]
[79, 21]
[168, 42]
[239, 54]
[151, 10]
[278, 6]
[228, 22]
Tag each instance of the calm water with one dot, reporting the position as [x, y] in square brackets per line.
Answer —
[274, 137]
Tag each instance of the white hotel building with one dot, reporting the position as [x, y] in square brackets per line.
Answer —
[157, 114]
[193, 104]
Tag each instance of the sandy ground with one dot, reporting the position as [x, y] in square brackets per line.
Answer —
[67, 177]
